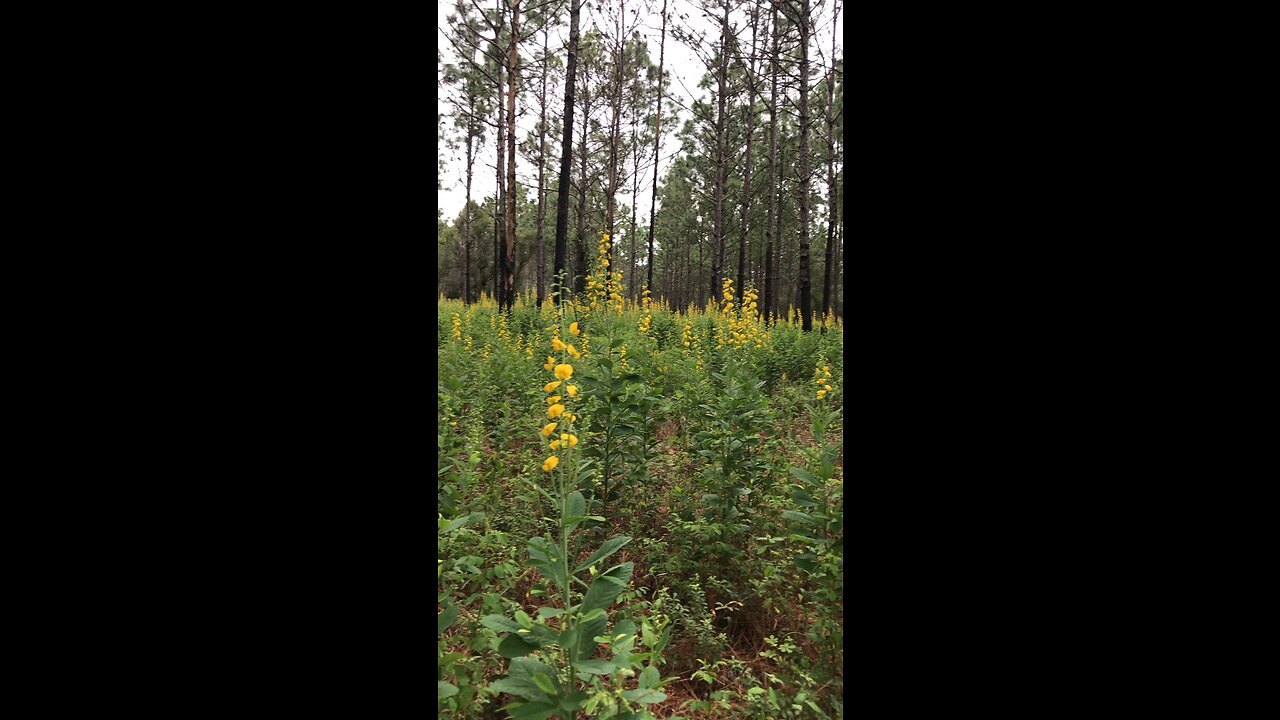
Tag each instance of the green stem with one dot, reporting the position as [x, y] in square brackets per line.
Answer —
[564, 557]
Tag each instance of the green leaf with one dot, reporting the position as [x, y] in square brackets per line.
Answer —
[549, 612]
[519, 686]
[804, 475]
[595, 667]
[623, 637]
[577, 504]
[513, 646]
[499, 623]
[607, 587]
[803, 498]
[464, 520]
[586, 636]
[571, 702]
[649, 678]
[445, 690]
[607, 548]
[644, 696]
[797, 517]
[543, 681]
[445, 619]
[530, 710]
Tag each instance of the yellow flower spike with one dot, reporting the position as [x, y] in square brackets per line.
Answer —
[821, 393]
[550, 464]
[548, 429]
[572, 390]
[555, 411]
[555, 444]
[573, 329]
[551, 385]
[556, 344]
[564, 371]
[827, 387]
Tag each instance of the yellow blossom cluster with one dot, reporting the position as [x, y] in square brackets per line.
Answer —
[822, 377]
[561, 418]
[744, 325]
[604, 288]
[457, 325]
[646, 319]
[688, 339]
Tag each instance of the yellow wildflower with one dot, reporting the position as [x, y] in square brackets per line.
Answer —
[548, 429]
[564, 371]
[556, 344]
[550, 464]
[550, 361]
[555, 444]
[555, 411]
[573, 329]
[551, 385]
[572, 390]
[553, 399]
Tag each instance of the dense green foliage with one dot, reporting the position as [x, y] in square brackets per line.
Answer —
[683, 554]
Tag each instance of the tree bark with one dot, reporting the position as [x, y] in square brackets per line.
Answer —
[615, 132]
[831, 169]
[722, 85]
[806, 302]
[746, 170]
[566, 155]
[499, 206]
[580, 242]
[770, 295]
[542, 167]
[513, 77]
[657, 139]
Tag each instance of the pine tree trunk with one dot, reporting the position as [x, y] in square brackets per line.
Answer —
[746, 169]
[806, 302]
[580, 244]
[831, 171]
[771, 189]
[657, 139]
[466, 225]
[722, 85]
[566, 155]
[513, 77]
[542, 176]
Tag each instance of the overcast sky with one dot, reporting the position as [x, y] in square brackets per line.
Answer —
[683, 66]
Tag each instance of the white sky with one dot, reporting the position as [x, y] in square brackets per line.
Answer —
[681, 63]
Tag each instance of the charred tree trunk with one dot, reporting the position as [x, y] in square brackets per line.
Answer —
[513, 77]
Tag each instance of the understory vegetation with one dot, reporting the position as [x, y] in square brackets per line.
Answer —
[640, 511]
